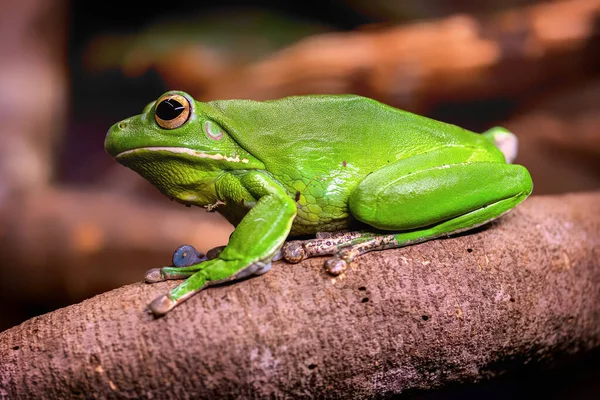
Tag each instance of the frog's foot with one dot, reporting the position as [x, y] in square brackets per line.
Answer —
[186, 260]
[346, 255]
[206, 274]
[344, 247]
[325, 243]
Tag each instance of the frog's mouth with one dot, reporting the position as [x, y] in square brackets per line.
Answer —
[184, 150]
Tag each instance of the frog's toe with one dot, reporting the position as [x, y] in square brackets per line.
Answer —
[154, 275]
[187, 255]
[162, 305]
[293, 252]
[278, 256]
[505, 141]
[336, 265]
[214, 252]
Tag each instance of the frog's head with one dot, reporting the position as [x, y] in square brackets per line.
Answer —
[178, 147]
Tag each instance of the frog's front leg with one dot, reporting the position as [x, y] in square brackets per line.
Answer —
[252, 245]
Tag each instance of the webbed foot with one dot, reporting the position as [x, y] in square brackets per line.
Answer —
[343, 246]
[325, 243]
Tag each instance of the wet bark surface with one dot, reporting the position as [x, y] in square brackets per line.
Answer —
[524, 290]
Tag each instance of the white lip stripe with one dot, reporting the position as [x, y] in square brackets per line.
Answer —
[193, 153]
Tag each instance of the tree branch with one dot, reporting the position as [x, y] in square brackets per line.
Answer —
[526, 289]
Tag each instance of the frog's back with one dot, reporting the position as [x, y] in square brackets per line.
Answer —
[338, 128]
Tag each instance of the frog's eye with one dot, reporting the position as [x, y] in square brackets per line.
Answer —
[213, 130]
[172, 111]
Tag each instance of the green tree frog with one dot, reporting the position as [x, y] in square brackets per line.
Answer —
[356, 174]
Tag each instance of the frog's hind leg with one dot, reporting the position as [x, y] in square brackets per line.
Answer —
[423, 191]
[346, 255]
[418, 199]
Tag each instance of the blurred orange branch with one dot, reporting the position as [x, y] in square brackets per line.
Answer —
[459, 57]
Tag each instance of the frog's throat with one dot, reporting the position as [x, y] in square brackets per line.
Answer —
[184, 150]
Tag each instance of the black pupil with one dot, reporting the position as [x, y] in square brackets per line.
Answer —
[169, 109]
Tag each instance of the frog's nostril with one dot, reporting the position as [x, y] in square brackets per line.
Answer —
[122, 125]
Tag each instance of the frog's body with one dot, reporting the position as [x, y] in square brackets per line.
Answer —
[309, 164]
[323, 165]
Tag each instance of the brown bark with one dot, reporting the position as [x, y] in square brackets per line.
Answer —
[526, 289]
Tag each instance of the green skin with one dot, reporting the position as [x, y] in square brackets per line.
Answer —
[311, 164]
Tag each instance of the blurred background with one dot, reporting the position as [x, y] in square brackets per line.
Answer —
[73, 223]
